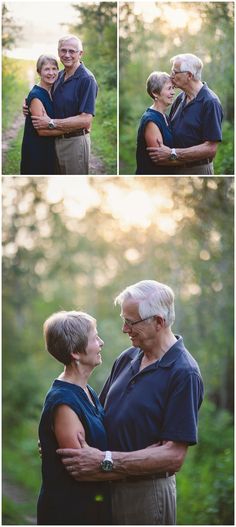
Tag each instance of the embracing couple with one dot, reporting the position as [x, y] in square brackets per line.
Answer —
[112, 459]
[185, 142]
[59, 114]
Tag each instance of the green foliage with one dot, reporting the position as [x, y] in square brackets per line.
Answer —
[104, 126]
[10, 30]
[147, 46]
[224, 160]
[13, 157]
[15, 87]
[97, 29]
[206, 483]
[12, 513]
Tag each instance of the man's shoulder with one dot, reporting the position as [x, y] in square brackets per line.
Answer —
[180, 358]
[209, 95]
[186, 361]
[128, 354]
[83, 72]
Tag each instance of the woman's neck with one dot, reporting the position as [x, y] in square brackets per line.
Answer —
[75, 374]
[160, 106]
[45, 85]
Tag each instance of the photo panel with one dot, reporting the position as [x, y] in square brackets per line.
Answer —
[189, 126]
[61, 57]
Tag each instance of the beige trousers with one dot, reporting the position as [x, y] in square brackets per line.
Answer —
[197, 170]
[73, 155]
[144, 502]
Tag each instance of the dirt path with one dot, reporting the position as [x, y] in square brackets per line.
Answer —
[96, 164]
[18, 495]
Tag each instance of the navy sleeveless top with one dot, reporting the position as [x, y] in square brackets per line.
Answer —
[144, 163]
[37, 152]
[62, 499]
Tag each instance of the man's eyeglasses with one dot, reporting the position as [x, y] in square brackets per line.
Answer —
[130, 324]
[70, 51]
[175, 72]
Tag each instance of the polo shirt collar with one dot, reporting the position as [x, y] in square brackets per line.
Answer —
[166, 361]
[172, 354]
[198, 97]
[75, 75]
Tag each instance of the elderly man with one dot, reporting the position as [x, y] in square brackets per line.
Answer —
[74, 95]
[151, 397]
[196, 117]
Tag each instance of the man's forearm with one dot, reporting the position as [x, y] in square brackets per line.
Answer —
[74, 123]
[197, 152]
[166, 458]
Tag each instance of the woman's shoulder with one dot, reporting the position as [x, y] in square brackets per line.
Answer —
[37, 93]
[152, 115]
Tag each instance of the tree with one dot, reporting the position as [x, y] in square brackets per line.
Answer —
[10, 30]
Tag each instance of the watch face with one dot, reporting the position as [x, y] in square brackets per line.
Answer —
[106, 465]
[51, 126]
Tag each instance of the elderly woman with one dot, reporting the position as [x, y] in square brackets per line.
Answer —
[38, 153]
[71, 411]
[154, 128]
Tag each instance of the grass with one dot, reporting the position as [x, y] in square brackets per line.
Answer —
[13, 156]
[15, 87]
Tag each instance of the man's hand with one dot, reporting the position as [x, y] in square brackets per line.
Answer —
[40, 122]
[82, 461]
[25, 108]
[39, 448]
[159, 154]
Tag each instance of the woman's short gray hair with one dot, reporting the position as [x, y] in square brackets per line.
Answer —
[67, 332]
[44, 59]
[70, 37]
[153, 298]
[189, 62]
[156, 81]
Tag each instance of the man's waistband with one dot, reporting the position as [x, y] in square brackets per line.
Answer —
[196, 163]
[147, 477]
[81, 131]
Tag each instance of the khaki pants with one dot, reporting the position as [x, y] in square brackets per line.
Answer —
[197, 169]
[146, 502]
[73, 155]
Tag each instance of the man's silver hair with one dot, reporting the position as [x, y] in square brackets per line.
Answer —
[189, 62]
[69, 37]
[153, 298]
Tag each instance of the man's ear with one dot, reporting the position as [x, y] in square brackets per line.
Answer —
[160, 322]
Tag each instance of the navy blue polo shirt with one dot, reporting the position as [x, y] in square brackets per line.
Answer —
[75, 95]
[198, 121]
[160, 402]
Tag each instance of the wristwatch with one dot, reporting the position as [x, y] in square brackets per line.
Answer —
[51, 124]
[107, 463]
[173, 155]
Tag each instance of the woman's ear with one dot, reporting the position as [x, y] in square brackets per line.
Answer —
[155, 96]
[75, 355]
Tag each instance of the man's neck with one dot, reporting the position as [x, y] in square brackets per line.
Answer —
[193, 89]
[69, 71]
[166, 339]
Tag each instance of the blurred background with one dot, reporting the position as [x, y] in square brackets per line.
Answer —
[30, 29]
[75, 243]
[153, 32]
